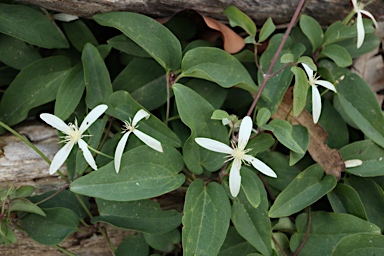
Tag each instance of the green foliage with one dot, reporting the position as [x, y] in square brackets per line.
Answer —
[183, 113]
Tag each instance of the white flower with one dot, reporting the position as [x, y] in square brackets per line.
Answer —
[65, 17]
[316, 98]
[238, 155]
[132, 127]
[358, 8]
[73, 135]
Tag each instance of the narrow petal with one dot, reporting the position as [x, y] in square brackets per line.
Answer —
[235, 178]
[259, 165]
[60, 158]
[92, 117]
[87, 154]
[354, 3]
[360, 30]
[139, 115]
[371, 17]
[148, 140]
[353, 163]
[119, 151]
[308, 70]
[316, 104]
[214, 145]
[55, 122]
[326, 84]
[245, 132]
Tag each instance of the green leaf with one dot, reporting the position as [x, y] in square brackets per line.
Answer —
[145, 80]
[135, 245]
[360, 244]
[308, 187]
[16, 53]
[23, 191]
[211, 92]
[327, 229]
[124, 44]
[141, 215]
[207, 213]
[34, 86]
[70, 92]
[287, 58]
[344, 199]
[53, 228]
[263, 116]
[308, 61]
[338, 31]
[253, 223]
[300, 90]
[217, 66]
[163, 242]
[338, 54]
[123, 106]
[234, 244]
[260, 143]
[312, 29]
[196, 113]
[368, 152]
[75, 28]
[219, 114]
[239, 18]
[360, 104]
[371, 42]
[284, 134]
[96, 77]
[267, 29]
[24, 205]
[163, 46]
[31, 26]
[7, 236]
[161, 176]
[301, 135]
[372, 197]
[249, 184]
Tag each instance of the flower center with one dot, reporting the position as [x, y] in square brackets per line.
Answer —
[73, 135]
[312, 80]
[128, 127]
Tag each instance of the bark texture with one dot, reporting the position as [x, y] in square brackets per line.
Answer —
[325, 11]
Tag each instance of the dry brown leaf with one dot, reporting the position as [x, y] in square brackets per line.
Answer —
[233, 43]
[370, 67]
[330, 159]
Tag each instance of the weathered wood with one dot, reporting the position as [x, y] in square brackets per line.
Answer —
[325, 11]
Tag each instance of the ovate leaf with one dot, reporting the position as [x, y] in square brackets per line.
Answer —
[300, 90]
[312, 29]
[207, 213]
[338, 54]
[360, 244]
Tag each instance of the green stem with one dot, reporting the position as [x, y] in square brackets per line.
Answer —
[99, 152]
[273, 62]
[54, 194]
[105, 234]
[168, 98]
[83, 205]
[26, 141]
[64, 250]
[349, 17]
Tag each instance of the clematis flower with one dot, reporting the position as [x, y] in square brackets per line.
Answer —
[130, 127]
[238, 154]
[358, 8]
[73, 135]
[314, 81]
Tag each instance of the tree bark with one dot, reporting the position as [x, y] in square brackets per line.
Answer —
[281, 11]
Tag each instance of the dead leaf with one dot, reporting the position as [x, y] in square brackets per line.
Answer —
[330, 159]
[370, 67]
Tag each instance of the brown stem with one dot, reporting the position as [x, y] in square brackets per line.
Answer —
[306, 233]
[273, 62]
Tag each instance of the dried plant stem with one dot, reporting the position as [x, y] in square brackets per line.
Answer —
[268, 75]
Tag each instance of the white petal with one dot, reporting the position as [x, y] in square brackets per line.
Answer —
[326, 84]
[245, 132]
[370, 16]
[148, 140]
[92, 117]
[55, 122]
[214, 145]
[360, 30]
[316, 104]
[119, 151]
[65, 17]
[308, 70]
[354, 3]
[235, 178]
[259, 165]
[139, 115]
[353, 163]
[60, 158]
[87, 154]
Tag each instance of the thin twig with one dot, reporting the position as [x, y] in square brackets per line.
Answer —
[306, 233]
